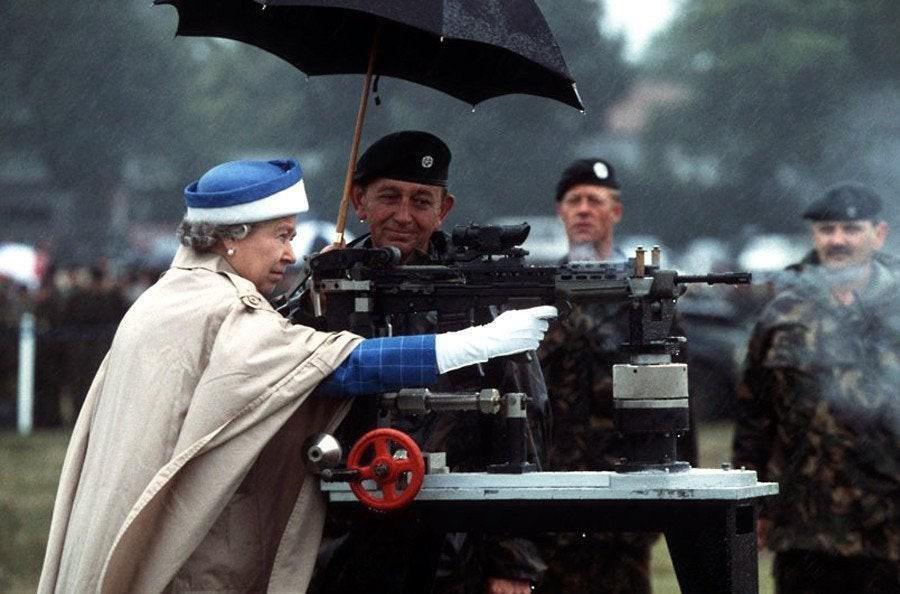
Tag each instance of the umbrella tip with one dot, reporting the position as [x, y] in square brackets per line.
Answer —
[580, 103]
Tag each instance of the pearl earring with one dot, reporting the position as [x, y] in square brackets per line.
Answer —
[230, 251]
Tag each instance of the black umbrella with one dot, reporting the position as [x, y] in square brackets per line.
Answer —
[470, 49]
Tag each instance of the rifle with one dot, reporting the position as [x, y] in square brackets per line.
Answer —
[367, 290]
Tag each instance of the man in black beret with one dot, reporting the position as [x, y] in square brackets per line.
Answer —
[817, 410]
[400, 190]
[846, 227]
[588, 201]
[577, 356]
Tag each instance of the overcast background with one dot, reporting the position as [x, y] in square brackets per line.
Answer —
[723, 118]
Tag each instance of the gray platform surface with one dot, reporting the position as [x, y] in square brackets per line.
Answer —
[694, 484]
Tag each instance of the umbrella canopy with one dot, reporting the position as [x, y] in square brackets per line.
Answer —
[470, 49]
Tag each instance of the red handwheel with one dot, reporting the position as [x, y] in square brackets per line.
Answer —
[386, 470]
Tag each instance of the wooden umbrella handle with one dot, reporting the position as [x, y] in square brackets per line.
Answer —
[354, 148]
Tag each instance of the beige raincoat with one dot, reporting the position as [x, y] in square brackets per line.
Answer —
[184, 470]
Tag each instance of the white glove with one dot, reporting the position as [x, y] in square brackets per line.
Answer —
[513, 331]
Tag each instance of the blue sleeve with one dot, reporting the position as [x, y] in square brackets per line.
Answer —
[379, 365]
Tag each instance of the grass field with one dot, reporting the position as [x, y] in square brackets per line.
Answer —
[30, 469]
[715, 448]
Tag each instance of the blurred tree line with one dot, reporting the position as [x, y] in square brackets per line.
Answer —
[785, 98]
[108, 100]
[782, 98]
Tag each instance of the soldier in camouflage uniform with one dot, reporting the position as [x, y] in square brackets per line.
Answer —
[819, 408]
[577, 356]
[400, 192]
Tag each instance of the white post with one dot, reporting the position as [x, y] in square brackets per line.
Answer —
[25, 406]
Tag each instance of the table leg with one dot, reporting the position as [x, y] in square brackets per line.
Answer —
[713, 549]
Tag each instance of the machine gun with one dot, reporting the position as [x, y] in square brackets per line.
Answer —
[367, 290]
[708, 516]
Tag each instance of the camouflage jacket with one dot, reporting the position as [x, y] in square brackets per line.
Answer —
[819, 412]
[577, 356]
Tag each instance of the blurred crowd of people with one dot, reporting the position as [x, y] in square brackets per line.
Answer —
[76, 311]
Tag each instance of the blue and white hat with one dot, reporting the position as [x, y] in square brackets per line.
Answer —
[246, 192]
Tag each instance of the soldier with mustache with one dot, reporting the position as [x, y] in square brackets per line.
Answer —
[819, 409]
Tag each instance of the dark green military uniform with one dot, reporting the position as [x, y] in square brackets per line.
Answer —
[819, 412]
[378, 557]
[577, 356]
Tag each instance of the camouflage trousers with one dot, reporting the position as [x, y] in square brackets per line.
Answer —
[811, 572]
[598, 563]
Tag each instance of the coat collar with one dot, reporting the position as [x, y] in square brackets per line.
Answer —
[189, 259]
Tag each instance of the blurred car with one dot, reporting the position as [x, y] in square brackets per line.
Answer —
[772, 252]
[705, 255]
[717, 329]
[718, 319]
[313, 235]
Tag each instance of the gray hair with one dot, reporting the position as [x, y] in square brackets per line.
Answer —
[202, 237]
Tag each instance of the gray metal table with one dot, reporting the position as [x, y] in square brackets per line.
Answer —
[707, 516]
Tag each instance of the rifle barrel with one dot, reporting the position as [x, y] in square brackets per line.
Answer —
[723, 278]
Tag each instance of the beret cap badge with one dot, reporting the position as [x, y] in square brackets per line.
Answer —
[595, 172]
[846, 201]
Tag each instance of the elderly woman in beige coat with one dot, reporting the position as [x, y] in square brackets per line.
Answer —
[183, 472]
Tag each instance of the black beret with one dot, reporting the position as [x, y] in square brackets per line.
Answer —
[847, 201]
[596, 172]
[411, 156]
